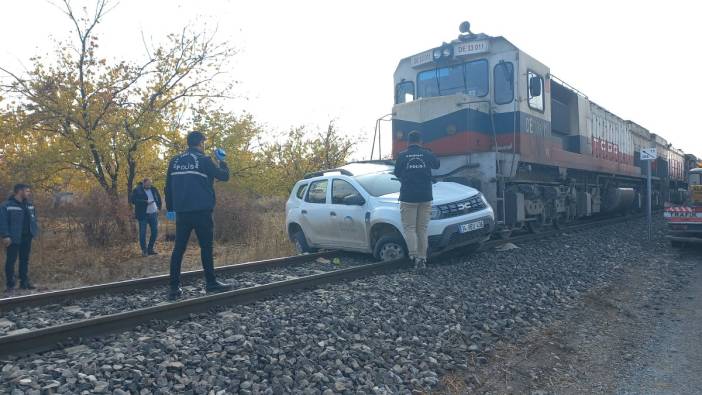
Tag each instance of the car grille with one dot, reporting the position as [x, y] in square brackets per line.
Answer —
[462, 207]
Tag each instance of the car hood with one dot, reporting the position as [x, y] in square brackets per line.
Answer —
[444, 192]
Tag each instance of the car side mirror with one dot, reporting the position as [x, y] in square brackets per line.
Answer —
[354, 200]
[535, 86]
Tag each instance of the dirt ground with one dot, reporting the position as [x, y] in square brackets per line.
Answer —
[640, 335]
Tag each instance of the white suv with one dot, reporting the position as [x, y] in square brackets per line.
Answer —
[356, 208]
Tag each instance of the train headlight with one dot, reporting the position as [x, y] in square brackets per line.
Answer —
[447, 52]
[436, 54]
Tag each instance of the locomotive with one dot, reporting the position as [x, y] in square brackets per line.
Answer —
[541, 151]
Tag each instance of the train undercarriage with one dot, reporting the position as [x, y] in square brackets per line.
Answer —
[529, 196]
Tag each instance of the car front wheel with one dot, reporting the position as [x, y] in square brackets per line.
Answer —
[389, 248]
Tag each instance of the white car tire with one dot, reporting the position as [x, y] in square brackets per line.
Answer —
[389, 248]
[300, 242]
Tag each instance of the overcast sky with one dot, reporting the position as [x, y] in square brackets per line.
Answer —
[306, 62]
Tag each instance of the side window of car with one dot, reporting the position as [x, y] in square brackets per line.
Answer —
[301, 191]
[318, 192]
[341, 189]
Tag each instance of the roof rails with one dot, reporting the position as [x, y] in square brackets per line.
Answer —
[345, 172]
[323, 172]
[388, 162]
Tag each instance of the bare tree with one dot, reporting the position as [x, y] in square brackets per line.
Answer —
[99, 116]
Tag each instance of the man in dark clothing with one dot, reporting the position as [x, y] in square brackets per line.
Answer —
[190, 194]
[18, 225]
[413, 169]
[147, 204]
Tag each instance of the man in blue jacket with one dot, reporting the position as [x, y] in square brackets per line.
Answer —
[413, 169]
[190, 194]
[18, 225]
[147, 204]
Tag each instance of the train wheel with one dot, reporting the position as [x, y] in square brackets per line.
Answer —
[534, 226]
[557, 222]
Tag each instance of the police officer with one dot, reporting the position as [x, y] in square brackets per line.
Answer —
[413, 169]
[190, 194]
[18, 226]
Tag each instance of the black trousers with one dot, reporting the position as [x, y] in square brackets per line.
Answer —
[201, 223]
[13, 251]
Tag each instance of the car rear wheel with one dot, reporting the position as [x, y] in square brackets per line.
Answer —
[301, 243]
[389, 248]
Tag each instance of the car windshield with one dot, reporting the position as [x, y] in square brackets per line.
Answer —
[379, 184]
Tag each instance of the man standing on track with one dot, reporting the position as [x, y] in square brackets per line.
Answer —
[413, 169]
[18, 226]
[190, 194]
[147, 204]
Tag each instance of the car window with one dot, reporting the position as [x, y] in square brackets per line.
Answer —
[318, 192]
[340, 190]
[301, 191]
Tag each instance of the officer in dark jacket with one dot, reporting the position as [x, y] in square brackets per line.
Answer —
[147, 204]
[18, 225]
[190, 194]
[413, 169]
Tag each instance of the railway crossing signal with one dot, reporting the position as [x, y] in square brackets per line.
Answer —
[648, 155]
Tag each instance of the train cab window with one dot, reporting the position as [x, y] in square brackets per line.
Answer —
[535, 84]
[503, 76]
[450, 80]
[427, 84]
[469, 78]
[476, 75]
[404, 92]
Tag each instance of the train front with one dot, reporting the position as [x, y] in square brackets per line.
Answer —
[461, 96]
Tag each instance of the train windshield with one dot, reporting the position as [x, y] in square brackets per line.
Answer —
[469, 78]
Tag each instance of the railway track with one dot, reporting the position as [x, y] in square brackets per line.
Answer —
[67, 333]
[59, 296]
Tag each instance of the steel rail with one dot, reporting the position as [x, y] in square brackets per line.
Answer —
[48, 338]
[52, 297]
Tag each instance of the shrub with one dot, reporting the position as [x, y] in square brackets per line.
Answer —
[102, 219]
[235, 215]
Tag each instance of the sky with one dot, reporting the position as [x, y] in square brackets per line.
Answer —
[308, 62]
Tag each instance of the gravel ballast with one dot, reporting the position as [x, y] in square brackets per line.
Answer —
[390, 333]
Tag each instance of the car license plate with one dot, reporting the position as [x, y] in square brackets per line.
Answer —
[471, 226]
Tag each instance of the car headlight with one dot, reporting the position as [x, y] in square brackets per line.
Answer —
[435, 212]
[487, 204]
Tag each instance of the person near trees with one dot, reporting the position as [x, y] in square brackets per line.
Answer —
[18, 226]
[190, 198]
[147, 204]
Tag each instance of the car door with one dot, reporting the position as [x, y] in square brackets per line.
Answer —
[314, 210]
[347, 214]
